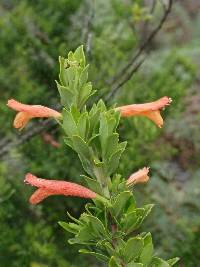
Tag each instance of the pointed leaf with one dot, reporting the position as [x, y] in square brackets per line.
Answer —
[93, 184]
[67, 97]
[99, 256]
[157, 262]
[134, 264]
[121, 202]
[69, 124]
[173, 261]
[83, 125]
[113, 262]
[67, 227]
[147, 251]
[80, 56]
[133, 248]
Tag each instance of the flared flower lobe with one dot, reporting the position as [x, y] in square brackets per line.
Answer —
[140, 176]
[27, 112]
[150, 110]
[48, 188]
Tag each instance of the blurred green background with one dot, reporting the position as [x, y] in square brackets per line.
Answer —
[32, 36]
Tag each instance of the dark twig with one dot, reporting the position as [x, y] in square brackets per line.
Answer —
[124, 79]
[151, 36]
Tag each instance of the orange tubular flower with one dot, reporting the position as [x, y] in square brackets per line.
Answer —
[140, 176]
[150, 110]
[27, 112]
[55, 187]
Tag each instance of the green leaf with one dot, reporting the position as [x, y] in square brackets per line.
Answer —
[173, 261]
[68, 228]
[129, 220]
[83, 76]
[93, 184]
[147, 251]
[75, 113]
[69, 124]
[98, 228]
[68, 142]
[121, 203]
[109, 248]
[111, 145]
[73, 219]
[85, 93]
[103, 131]
[113, 162]
[94, 115]
[113, 262]
[83, 125]
[81, 147]
[101, 105]
[99, 256]
[71, 74]
[111, 123]
[133, 248]
[67, 97]
[144, 212]
[134, 264]
[157, 262]
[80, 56]
[62, 76]
[84, 236]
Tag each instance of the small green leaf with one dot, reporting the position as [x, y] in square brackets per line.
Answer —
[147, 251]
[68, 142]
[80, 56]
[72, 75]
[134, 264]
[142, 213]
[83, 125]
[173, 261]
[84, 94]
[69, 124]
[99, 256]
[101, 105]
[68, 228]
[62, 75]
[98, 228]
[111, 123]
[113, 162]
[83, 76]
[103, 131]
[94, 115]
[84, 236]
[73, 219]
[67, 97]
[111, 145]
[93, 184]
[157, 262]
[129, 220]
[121, 202]
[109, 248]
[75, 113]
[133, 248]
[113, 262]
[81, 147]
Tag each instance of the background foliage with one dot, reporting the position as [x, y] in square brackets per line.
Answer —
[33, 34]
